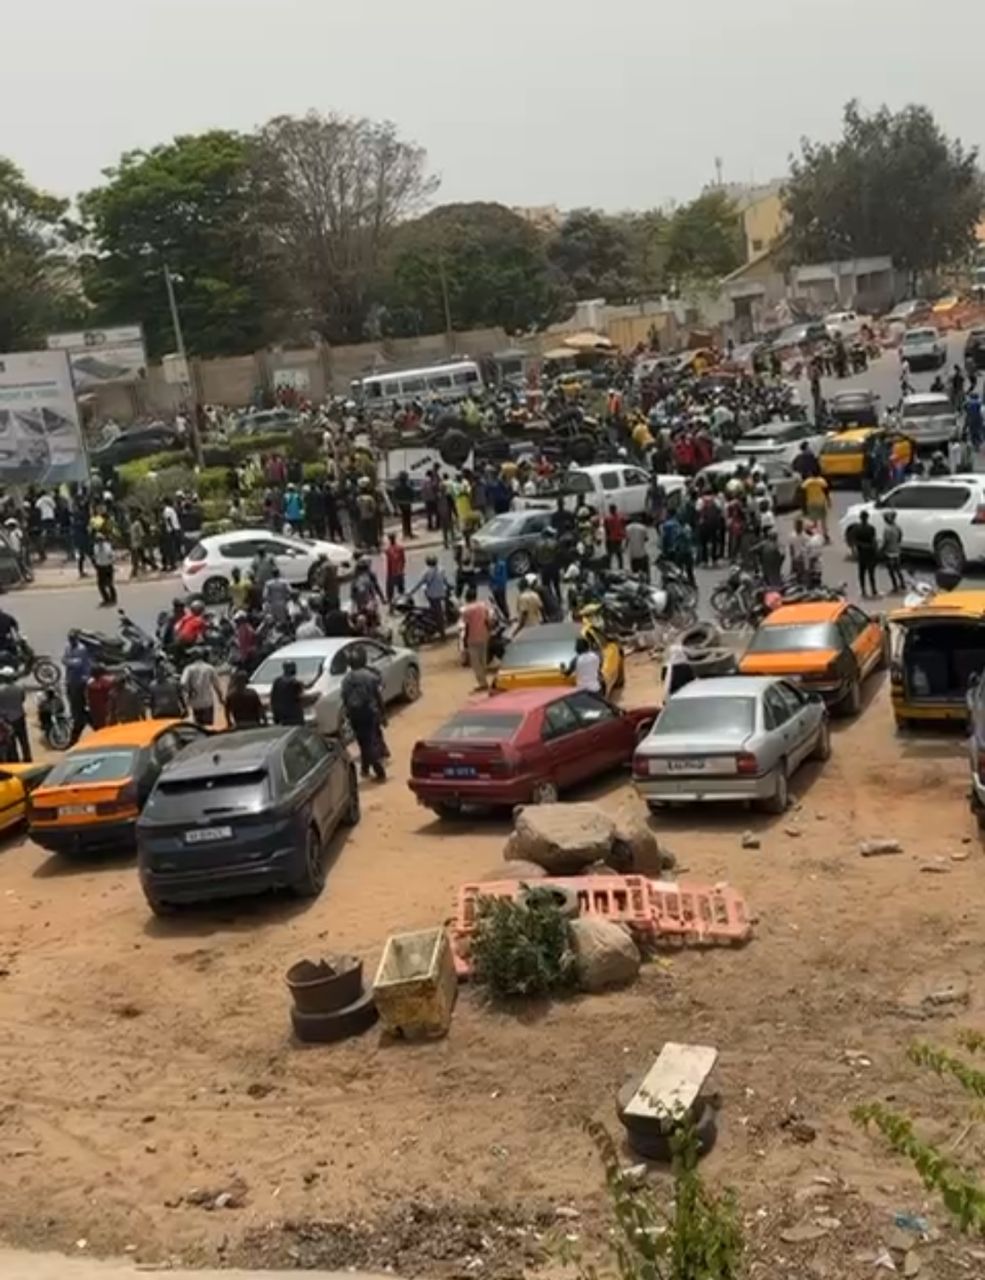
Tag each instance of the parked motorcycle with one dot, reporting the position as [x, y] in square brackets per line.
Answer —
[25, 662]
[418, 625]
[53, 719]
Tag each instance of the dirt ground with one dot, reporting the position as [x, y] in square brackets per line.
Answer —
[143, 1059]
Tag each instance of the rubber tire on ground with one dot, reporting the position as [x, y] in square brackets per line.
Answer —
[822, 748]
[312, 880]
[949, 540]
[215, 591]
[353, 810]
[564, 897]
[712, 662]
[851, 704]
[413, 679]
[519, 564]
[703, 635]
[326, 1028]
[331, 994]
[544, 793]
[657, 1146]
[447, 812]
[780, 799]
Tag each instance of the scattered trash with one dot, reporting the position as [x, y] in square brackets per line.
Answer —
[875, 848]
[935, 868]
[750, 840]
[931, 996]
[804, 1233]
[884, 1260]
[912, 1222]
[960, 855]
[911, 1263]
[565, 1211]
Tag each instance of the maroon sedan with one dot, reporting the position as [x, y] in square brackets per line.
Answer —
[527, 745]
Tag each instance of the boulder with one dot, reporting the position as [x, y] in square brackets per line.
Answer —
[636, 848]
[561, 838]
[605, 954]
[516, 870]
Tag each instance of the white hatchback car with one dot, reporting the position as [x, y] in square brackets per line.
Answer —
[207, 568]
[943, 518]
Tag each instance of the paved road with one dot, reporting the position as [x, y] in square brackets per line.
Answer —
[46, 615]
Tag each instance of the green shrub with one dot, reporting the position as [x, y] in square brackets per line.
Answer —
[314, 471]
[212, 482]
[521, 948]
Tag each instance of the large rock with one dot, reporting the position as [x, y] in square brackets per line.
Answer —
[636, 848]
[605, 953]
[517, 870]
[561, 838]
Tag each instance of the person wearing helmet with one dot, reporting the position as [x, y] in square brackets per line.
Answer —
[191, 627]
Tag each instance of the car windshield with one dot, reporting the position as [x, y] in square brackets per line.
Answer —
[538, 653]
[484, 725]
[728, 717]
[794, 636]
[920, 335]
[93, 766]
[927, 409]
[309, 669]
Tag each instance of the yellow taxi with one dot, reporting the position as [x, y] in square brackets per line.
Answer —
[827, 646]
[17, 781]
[842, 455]
[937, 647]
[544, 656]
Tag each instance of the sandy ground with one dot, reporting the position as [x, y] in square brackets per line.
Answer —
[142, 1059]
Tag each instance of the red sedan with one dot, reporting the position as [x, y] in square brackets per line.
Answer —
[527, 745]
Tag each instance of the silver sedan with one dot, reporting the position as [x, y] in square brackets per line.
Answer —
[731, 738]
[321, 666]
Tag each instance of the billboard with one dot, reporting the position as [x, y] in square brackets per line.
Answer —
[40, 434]
[103, 356]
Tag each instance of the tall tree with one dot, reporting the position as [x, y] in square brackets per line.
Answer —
[593, 252]
[189, 204]
[38, 287]
[704, 239]
[648, 240]
[893, 183]
[485, 262]
[335, 189]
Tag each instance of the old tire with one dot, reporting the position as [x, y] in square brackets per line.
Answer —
[659, 1145]
[311, 881]
[215, 591]
[46, 672]
[822, 748]
[410, 690]
[519, 563]
[564, 898]
[544, 793]
[339, 1024]
[778, 801]
[325, 993]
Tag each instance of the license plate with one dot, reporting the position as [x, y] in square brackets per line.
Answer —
[684, 766]
[203, 834]
[460, 771]
[73, 810]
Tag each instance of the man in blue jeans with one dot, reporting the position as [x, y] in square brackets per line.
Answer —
[973, 419]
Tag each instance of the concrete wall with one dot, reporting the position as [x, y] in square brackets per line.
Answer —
[763, 223]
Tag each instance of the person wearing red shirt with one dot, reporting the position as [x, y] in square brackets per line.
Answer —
[395, 558]
[615, 535]
[99, 690]
[190, 628]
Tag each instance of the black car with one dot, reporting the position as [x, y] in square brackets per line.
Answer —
[243, 812]
[974, 348]
[134, 443]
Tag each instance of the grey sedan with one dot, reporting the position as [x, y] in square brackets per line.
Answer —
[731, 738]
[781, 480]
[512, 536]
[321, 666]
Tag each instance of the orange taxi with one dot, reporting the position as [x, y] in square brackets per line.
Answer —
[92, 797]
[828, 646]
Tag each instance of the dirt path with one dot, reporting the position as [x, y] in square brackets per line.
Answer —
[15, 1265]
[144, 1059]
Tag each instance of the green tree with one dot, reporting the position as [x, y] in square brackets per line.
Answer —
[334, 190]
[893, 184]
[489, 263]
[38, 286]
[593, 252]
[704, 239]
[647, 234]
[190, 204]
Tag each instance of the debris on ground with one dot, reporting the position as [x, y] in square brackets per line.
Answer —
[750, 840]
[561, 838]
[929, 996]
[876, 848]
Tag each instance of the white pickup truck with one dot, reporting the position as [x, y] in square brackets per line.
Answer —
[602, 486]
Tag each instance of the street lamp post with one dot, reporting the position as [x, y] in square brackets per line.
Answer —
[179, 342]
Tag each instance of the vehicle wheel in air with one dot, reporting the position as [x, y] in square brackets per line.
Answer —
[778, 801]
[410, 690]
[324, 1028]
[312, 879]
[519, 563]
[544, 793]
[215, 591]
[949, 553]
[353, 811]
[46, 672]
[822, 748]
[447, 812]
[59, 733]
[413, 634]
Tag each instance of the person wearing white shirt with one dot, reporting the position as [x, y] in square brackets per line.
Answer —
[586, 667]
[45, 506]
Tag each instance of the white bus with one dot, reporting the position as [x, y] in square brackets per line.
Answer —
[453, 380]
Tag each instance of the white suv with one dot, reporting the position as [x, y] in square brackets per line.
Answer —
[922, 349]
[943, 518]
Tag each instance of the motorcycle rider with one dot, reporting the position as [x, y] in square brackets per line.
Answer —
[435, 586]
[245, 639]
[166, 698]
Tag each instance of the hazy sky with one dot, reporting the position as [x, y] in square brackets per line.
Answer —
[619, 104]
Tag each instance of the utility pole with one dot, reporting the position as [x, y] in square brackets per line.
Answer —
[179, 342]
[444, 295]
